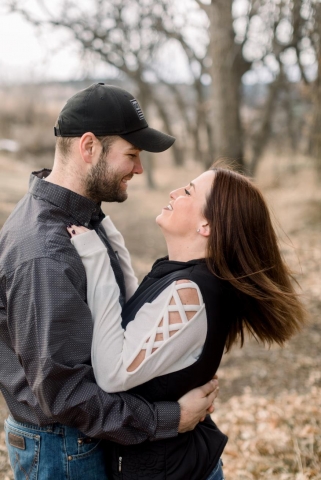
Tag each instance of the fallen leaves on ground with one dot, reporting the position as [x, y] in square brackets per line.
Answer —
[272, 438]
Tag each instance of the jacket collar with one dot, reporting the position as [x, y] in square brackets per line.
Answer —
[163, 266]
[83, 210]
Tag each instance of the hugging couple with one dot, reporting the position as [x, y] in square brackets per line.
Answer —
[105, 378]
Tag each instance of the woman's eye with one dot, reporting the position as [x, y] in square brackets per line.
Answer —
[187, 192]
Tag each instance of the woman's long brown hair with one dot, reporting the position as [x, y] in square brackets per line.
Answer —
[243, 249]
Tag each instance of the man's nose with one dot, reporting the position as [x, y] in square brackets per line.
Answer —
[138, 167]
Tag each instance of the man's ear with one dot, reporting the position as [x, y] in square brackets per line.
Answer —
[89, 148]
[204, 230]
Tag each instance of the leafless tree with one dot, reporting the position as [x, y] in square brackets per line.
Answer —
[221, 41]
[277, 38]
[132, 36]
[313, 14]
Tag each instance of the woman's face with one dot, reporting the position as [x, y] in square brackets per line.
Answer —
[183, 215]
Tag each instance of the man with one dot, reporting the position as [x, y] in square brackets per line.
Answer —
[58, 413]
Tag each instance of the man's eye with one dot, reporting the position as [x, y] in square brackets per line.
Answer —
[187, 192]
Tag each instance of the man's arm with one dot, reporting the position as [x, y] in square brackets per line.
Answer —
[51, 329]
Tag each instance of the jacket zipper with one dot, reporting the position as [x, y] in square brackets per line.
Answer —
[120, 459]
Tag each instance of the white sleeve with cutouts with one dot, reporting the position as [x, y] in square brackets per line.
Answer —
[165, 336]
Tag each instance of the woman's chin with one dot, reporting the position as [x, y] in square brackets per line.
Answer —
[161, 223]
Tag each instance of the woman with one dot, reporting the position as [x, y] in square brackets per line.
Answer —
[223, 275]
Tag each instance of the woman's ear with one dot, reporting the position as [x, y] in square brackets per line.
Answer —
[204, 230]
[88, 148]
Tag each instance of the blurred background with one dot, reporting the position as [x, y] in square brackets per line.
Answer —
[238, 79]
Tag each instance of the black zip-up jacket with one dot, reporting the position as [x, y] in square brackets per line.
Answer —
[192, 455]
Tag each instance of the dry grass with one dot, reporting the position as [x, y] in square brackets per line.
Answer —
[272, 438]
[270, 400]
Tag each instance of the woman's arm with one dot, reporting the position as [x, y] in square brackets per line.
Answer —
[165, 336]
[118, 244]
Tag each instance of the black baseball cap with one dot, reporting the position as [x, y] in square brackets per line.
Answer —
[109, 110]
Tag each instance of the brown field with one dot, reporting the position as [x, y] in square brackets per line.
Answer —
[270, 400]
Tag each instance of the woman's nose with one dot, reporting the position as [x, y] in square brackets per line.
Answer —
[175, 193]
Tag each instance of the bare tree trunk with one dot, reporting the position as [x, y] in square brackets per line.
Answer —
[227, 130]
[260, 139]
[316, 124]
[148, 159]
[178, 152]
[148, 164]
[202, 133]
[316, 128]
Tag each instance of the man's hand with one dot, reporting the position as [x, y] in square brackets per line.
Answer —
[196, 404]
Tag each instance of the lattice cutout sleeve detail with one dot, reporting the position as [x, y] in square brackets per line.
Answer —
[181, 308]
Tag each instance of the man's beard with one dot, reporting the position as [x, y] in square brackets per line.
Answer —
[103, 184]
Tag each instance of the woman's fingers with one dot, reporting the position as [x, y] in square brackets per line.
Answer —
[74, 230]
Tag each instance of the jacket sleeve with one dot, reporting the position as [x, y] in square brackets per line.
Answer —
[51, 332]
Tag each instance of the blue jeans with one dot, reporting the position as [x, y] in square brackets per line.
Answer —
[53, 452]
[217, 473]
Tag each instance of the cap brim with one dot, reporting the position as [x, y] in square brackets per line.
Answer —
[149, 139]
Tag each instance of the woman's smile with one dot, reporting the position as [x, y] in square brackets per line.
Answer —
[169, 207]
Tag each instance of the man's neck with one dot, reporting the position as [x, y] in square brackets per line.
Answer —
[67, 179]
